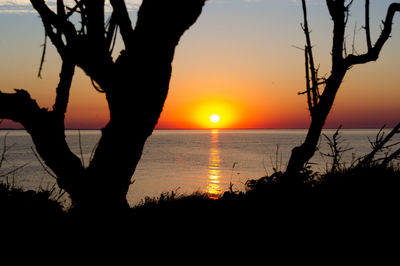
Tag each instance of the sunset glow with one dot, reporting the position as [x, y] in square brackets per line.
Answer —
[246, 70]
[214, 113]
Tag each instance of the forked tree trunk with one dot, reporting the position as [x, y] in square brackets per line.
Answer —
[136, 86]
[321, 104]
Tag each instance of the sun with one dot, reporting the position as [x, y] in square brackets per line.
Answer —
[215, 118]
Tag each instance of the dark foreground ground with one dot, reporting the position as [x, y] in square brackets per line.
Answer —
[346, 197]
[344, 217]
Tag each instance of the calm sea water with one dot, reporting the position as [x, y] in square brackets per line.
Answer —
[186, 160]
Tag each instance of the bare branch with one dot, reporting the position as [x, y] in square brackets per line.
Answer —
[312, 94]
[18, 106]
[379, 144]
[61, 8]
[308, 88]
[374, 51]
[111, 33]
[338, 14]
[13, 170]
[353, 45]
[60, 14]
[43, 55]
[43, 164]
[62, 26]
[391, 157]
[367, 27]
[121, 14]
[80, 147]
[95, 25]
[79, 5]
[3, 153]
[63, 88]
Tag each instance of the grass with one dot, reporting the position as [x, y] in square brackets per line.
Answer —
[16, 202]
[372, 182]
[341, 209]
[363, 191]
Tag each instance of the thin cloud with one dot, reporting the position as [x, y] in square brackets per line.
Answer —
[24, 6]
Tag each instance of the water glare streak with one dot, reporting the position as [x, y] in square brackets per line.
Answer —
[214, 163]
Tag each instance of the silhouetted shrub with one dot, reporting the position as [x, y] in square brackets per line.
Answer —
[15, 202]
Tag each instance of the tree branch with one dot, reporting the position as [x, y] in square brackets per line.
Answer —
[63, 88]
[337, 11]
[367, 27]
[391, 157]
[62, 26]
[60, 14]
[19, 107]
[121, 14]
[379, 144]
[111, 33]
[47, 132]
[312, 95]
[373, 52]
[43, 56]
[95, 26]
[308, 87]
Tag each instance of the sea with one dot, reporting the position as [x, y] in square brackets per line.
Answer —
[186, 161]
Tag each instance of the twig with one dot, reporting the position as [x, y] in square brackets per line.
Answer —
[5, 149]
[93, 151]
[391, 157]
[311, 71]
[14, 170]
[367, 27]
[80, 147]
[43, 55]
[379, 144]
[336, 151]
[42, 164]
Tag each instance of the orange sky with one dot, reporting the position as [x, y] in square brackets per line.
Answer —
[238, 61]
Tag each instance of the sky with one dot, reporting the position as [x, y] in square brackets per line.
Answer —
[238, 61]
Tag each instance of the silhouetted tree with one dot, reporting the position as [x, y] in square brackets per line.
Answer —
[320, 102]
[135, 85]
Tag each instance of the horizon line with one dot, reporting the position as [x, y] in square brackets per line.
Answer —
[248, 128]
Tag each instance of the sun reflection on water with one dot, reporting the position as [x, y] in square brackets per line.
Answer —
[214, 162]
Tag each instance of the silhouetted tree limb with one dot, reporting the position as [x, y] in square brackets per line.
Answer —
[121, 15]
[60, 24]
[47, 131]
[18, 106]
[379, 145]
[312, 84]
[391, 157]
[43, 56]
[321, 104]
[367, 26]
[373, 51]
[63, 88]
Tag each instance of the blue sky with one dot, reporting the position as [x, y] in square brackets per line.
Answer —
[238, 50]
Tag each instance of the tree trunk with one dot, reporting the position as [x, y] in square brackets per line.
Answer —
[319, 110]
[303, 153]
[136, 86]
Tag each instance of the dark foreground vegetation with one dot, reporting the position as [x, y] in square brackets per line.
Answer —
[351, 205]
[342, 194]
[351, 212]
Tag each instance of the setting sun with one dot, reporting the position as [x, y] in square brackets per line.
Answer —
[215, 118]
[214, 113]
